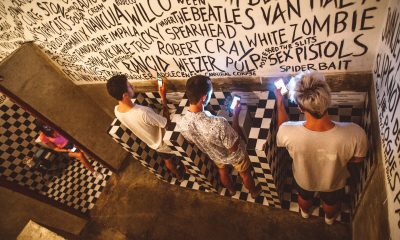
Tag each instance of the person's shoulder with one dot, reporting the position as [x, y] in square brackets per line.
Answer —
[292, 124]
[184, 121]
[349, 126]
[353, 129]
[116, 112]
[139, 107]
[188, 116]
[143, 110]
[218, 120]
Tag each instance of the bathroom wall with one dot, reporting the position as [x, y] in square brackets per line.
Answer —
[386, 74]
[92, 39]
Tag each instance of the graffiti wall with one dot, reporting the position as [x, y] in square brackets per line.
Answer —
[93, 39]
[387, 83]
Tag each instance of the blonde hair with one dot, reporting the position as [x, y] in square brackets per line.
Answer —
[313, 94]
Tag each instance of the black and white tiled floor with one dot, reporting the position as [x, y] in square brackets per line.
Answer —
[74, 187]
[77, 187]
[150, 160]
[278, 189]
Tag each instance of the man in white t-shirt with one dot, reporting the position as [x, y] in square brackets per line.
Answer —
[215, 136]
[319, 147]
[147, 125]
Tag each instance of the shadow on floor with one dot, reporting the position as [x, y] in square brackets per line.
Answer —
[136, 205]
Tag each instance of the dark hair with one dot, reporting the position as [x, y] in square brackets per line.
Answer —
[196, 87]
[116, 86]
[46, 129]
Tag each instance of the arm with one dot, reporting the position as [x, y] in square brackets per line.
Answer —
[187, 136]
[235, 123]
[236, 127]
[356, 162]
[282, 114]
[235, 147]
[163, 93]
[354, 168]
[361, 148]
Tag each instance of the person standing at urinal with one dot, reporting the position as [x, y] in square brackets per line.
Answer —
[215, 136]
[320, 148]
[147, 125]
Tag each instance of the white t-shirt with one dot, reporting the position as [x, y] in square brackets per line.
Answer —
[144, 123]
[320, 158]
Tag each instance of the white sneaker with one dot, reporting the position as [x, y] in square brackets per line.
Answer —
[97, 175]
[304, 214]
[329, 221]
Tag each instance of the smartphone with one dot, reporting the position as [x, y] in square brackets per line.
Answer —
[159, 80]
[279, 84]
[235, 100]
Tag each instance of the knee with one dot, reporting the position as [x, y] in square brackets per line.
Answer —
[245, 174]
[330, 205]
[79, 155]
[223, 172]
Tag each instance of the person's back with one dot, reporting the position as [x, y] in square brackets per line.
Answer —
[319, 147]
[144, 123]
[212, 134]
[320, 158]
[215, 136]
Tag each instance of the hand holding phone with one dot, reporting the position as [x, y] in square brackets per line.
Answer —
[235, 101]
[161, 86]
[159, 80]
[279, 84]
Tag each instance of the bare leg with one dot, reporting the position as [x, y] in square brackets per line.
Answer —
[226, 180]
[82, 158]
[331, 210]
[169, 163]
[248, 182]
[305, 205]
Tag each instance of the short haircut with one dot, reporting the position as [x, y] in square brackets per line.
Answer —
[116, 86]
[312, 94]
[197, 87]
[44, 128]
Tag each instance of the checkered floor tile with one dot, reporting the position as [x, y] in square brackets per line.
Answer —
[77, 187]
[290, 202]
[71, 185]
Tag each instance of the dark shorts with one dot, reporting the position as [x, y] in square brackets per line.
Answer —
[329, 198]
[165, 155]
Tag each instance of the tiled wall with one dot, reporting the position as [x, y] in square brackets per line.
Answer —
[366, 166]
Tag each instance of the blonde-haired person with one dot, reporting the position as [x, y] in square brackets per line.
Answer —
[320, 148]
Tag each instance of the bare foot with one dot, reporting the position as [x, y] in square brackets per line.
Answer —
[256, 192]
